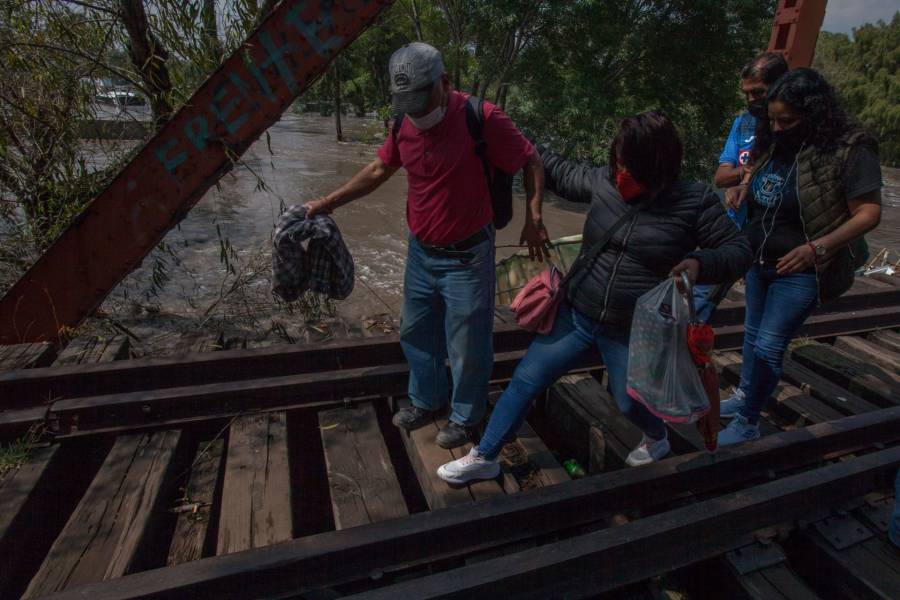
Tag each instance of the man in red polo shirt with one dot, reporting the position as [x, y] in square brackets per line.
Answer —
[448, 303]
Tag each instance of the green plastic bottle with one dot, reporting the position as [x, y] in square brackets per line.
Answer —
[574, 470]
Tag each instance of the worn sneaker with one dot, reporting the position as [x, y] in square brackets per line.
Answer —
[452, 435]
[648, 451]
[738, 430]
[732, 405]
[412, 417]
[470, 467]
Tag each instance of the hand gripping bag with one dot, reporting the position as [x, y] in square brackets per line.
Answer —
[661, 372]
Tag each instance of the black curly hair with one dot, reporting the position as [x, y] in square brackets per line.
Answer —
[807, 93]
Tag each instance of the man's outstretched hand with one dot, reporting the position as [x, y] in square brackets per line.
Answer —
[535, 235]
[319, 206]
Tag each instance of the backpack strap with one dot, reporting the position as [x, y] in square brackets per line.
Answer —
[398, 123]
[474, 121]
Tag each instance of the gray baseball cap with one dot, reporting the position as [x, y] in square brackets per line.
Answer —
[413, 70]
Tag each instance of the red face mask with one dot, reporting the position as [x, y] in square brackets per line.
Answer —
[628, 186]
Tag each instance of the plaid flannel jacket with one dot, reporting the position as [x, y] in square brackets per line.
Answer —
[325, 266]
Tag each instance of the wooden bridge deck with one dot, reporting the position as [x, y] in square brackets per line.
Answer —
[311, 492]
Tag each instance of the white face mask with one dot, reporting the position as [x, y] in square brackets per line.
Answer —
[429, 120]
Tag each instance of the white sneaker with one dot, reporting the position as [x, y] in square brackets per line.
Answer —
[733, 404]
[738, 430]
[648, 451]
[470, 467]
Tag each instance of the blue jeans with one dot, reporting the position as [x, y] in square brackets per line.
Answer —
[548, 358]
[705, 308]
[777, 306]
[894, 528]
[448, 310]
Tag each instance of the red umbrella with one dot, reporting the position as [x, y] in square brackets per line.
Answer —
[701, 341]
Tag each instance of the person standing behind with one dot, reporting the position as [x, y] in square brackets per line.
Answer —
[814, 191]
[734, 162]
[448, 299]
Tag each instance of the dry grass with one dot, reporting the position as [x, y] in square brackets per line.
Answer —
[15, 453]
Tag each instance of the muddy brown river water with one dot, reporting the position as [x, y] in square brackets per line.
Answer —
[237, 217]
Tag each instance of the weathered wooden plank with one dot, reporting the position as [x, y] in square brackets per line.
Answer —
[102, 538]
[323, 559]
[256, 491]
[870, 283]
[864, 350]
[20, 490]
[199, 343]
[580, 433]
[547, 469]
[94, 349]
[886, 339]
[192, 530]
[26, 356]
[791, 402]
[891, 280]
[858, 376]
[363, 484]
[619, 434]
[426, 456]
[865, 568]
[776, 582]
[830, 393]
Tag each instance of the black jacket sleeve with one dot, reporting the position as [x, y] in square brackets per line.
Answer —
[724, 254]
[565, 178]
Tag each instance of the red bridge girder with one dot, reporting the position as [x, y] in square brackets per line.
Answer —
[796, 30]
[242, 99]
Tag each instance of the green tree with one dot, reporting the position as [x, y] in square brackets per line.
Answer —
[596, 62]
[865, 71]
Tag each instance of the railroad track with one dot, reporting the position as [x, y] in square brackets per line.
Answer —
[278, 474]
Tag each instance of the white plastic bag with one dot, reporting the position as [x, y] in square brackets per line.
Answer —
[661, 373]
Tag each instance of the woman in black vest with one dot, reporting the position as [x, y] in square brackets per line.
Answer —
[814, 190]
[661, 238]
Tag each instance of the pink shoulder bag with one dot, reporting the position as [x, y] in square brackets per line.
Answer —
[536, 305]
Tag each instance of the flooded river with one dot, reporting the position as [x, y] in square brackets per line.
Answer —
[216, 272]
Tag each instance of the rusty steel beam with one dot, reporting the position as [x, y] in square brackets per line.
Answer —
[245, 96]
[796, 30]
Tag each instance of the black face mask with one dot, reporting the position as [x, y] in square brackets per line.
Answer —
[791, 139]
[757, 108]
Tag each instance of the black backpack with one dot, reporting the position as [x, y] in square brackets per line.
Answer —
[499, 182]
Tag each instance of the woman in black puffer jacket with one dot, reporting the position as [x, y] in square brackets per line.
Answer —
[672, 220]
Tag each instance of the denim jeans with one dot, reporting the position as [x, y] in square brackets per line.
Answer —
[776, 308]
[548, 358]
[894, 527]
[448, 310]
[705, 308]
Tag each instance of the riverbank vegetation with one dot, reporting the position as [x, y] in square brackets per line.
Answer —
[866, 72]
